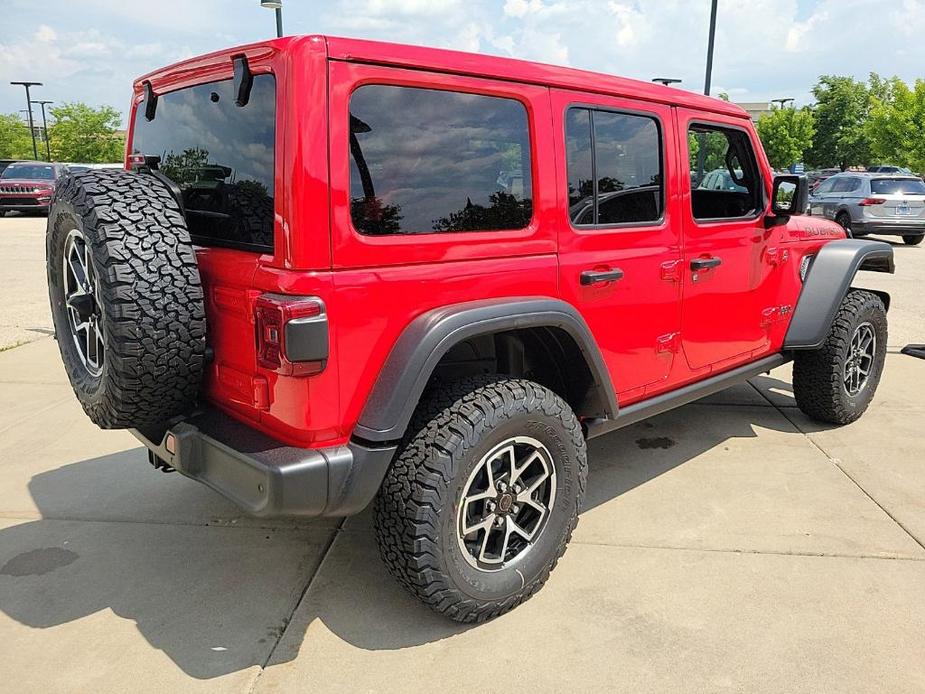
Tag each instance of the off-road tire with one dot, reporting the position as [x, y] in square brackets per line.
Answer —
[913, 240]
[150, 297]
[416, 508]
[818, 375]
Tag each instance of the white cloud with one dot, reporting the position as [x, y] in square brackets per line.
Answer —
[45, 34]
[521, 8]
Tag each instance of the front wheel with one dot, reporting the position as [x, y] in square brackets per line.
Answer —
[836, 382]
[483, 496]
[914, 240]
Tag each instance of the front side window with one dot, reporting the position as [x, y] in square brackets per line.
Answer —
[614, 167]
[825, 187]
[725, 182]
[428, 161]
[220, 155]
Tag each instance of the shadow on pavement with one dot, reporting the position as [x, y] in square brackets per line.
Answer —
[216, 599]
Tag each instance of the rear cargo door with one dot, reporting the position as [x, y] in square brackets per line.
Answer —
[222, 158]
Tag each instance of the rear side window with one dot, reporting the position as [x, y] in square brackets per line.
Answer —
[428, 161]
[844, 185]
[614, 167]
[221, 156]
[896, 186]
[722, 154]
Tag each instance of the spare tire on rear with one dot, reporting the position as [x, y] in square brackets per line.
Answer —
[126, 297]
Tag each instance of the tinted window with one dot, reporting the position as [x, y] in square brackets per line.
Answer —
[614, 167]
[842, 185]
[825, 187]
[579, 165]
[221, 157]
[894, 186]
[725, 154]
[45, 172]
[425, 161]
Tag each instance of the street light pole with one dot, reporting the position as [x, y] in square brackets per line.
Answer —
[276, 5]
[709, 76]
[35, 149]
[45, 127]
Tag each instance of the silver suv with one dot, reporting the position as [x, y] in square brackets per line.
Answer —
[873, 203]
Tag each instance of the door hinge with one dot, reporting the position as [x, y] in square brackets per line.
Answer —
[670, 270]
[668, 342]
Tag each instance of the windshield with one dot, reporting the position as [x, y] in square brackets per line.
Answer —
[221, 157]
[895, 186]
[45, 172]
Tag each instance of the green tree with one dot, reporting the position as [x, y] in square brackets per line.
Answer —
[81, 133]
[842, 106]
[15, 142]
[896, 124]
[786, 134]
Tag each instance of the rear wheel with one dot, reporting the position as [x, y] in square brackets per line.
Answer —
[913, 240]
[836, 382]
[483, 496]
[844, 219]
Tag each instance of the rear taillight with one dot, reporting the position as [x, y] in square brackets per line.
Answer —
[136, 161]
[867, 202]
[292, 334]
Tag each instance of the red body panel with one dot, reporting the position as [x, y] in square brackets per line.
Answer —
[657, 328]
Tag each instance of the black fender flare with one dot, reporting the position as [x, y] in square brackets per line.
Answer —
[827, 282]
[425, 340]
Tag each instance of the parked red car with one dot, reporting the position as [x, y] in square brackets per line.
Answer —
[340, 270]
[27, 186]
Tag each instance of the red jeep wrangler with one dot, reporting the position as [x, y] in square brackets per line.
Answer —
[340, 271]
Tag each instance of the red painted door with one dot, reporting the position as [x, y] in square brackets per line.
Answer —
[619, 234]
[726, 267]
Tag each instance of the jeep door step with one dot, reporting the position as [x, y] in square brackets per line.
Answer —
[682, 396]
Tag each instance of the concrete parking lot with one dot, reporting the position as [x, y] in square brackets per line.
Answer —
[730, 545]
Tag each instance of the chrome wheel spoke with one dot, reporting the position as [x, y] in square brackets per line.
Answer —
[83, 313]
[484, 524]
[505, 503]
[513, 527]
[859, 362]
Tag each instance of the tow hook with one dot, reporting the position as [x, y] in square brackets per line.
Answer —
[159, 463]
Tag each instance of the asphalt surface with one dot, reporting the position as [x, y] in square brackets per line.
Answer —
[730, 545]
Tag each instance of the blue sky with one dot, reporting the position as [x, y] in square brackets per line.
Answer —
[90, 50]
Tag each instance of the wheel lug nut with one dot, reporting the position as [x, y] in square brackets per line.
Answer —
[491, 505]
[499, 521]
[515, 509]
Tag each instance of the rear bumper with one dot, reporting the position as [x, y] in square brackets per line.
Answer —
[898, 226]
[265, 477]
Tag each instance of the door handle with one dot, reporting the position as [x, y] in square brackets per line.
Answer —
[705, 263]
[589, 277]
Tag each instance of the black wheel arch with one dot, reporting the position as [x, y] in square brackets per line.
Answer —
[828, 281]
[429, 337]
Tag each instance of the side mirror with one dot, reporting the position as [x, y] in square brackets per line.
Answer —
[789, 196]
